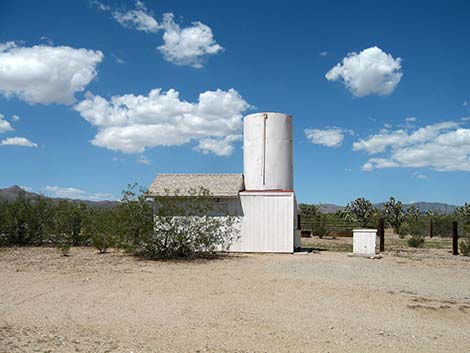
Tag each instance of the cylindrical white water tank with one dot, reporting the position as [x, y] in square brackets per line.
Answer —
[267, 152]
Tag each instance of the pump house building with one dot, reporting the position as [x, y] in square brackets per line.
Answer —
[263, 196]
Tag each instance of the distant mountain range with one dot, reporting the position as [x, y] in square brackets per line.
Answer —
[329, 208]
[12, 193]
[436, 207]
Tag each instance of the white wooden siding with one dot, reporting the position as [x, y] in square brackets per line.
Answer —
[267, 222]
[364, 241]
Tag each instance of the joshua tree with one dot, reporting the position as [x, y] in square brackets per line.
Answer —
[359, 210]
[463, 215]
[306, 209]
[394, 213]
[463, 211]
[430, 215]
[412, 212]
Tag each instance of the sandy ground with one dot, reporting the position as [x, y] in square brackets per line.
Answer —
[410, 301]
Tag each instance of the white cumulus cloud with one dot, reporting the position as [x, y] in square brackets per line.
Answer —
[74, 193]
[143, 160]
[18, 141]
[380, 163]
[443, 147]
[118, 59]
[380, 142]
[46, 74]
[331, 137]
[371, 71]
[220, 146]
[59, 191]
[417, 175]
[101, 196]
[4, 125]
[187, 46]
[140, 18]
[131, 123]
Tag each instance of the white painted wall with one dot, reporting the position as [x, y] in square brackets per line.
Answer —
[267, 222]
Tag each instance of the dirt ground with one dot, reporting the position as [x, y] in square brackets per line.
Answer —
[409, 301]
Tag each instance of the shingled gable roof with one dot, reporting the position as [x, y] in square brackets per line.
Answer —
[220, 185]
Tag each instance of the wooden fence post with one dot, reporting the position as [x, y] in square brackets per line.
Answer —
[455, 239]
[431, 228]
[381, 234]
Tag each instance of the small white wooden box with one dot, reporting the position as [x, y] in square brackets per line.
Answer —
[364, 241]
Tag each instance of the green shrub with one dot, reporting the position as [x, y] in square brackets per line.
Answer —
[416, 241]
[413, 227]
[134, 218]
[100, 227]
[465, 246]
[442, 225]
[319, 227]
[3, 239]
[102, 242]
[63, 244]
[465, 228]
[187, 226]
[404, 230]
[417, 228]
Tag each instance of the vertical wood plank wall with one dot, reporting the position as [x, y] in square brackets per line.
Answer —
[267, 222]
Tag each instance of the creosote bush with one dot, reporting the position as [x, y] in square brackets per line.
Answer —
[404, 230]
[63, 245]
[40, 221]
[188, 226]
[416, 241]
[465, 246]
[319, 227]
[100, 228]
[134, 218]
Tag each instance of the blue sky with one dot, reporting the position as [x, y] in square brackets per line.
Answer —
[379, 92]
